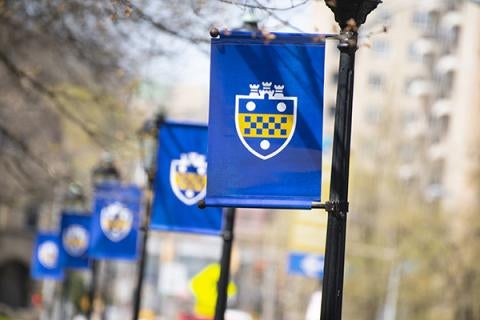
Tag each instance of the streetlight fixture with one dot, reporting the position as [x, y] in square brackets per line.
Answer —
[349, 14]
[75, 198]
[104, 172]
[148, 138]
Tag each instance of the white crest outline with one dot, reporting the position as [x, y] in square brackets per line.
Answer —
[285, 143]
[73, 251]
[189, 202]
[44, 250]
[107, 233]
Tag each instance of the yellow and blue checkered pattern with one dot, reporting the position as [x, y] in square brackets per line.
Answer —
[190, 181]
[258, 125]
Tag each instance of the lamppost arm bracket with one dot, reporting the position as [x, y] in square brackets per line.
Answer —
[333, 206]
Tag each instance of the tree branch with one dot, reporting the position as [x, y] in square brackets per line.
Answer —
[53, 97]
[4, 132]
[263, 7]
[162, 27]
[277, 17]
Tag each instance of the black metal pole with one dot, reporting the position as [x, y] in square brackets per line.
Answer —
[103, 172]
[337, 217]
[222, 285]
[151, 128]
[143, 256]
[63, 298]
[92, 290]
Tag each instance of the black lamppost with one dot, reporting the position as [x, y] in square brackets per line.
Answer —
[349, 14]
[104, 172]
[74, 200]
[250, 23]
[148, 136]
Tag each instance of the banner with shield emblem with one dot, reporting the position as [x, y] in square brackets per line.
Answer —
[46, 258]
[75, 236]
[265, 122]
[181, 179]
[115, 222]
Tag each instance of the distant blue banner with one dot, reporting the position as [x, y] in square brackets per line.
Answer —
[75, 236]
[46, 258]
[115, 222]
[181, 181]
[306, 264]
[266, 115]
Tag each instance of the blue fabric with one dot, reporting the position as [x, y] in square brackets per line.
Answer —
[115, 222]
[47, 258]
[265, 125]
[180, 181]
[75, 237]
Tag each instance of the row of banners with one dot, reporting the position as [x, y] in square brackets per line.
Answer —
[112, 231]
[264, 150]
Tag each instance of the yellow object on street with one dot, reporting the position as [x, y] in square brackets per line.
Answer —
[204, 288]
[146, 315]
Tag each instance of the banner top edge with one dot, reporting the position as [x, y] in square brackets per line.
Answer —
[273, 37]
[170, 122]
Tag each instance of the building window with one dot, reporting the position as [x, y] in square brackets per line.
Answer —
[445, 84]
[421, 19]
[372, 115]
[426, 21]
[375, 81]
[413, 54]
[451, 37]
[381, 47]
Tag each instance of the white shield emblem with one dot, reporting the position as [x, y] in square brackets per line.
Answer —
[116, 221]
[48, 254]
[188, 177]
[265, 119]
[75, 240]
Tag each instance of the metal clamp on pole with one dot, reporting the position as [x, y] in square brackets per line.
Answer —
[227, 235]
[201, 204]
[334, 206]
[347, 40]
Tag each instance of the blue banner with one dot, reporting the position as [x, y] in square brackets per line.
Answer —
[75, 236]
[115, 222]
[306, 264]
[46, 258]
[265, 125]
[180, 181]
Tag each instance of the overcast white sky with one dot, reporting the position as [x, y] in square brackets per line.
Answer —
[190, 66]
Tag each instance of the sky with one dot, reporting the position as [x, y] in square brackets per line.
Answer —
[190, 66]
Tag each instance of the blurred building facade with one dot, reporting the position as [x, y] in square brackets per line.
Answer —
[16, 238]
[417, 97]
[415, 145]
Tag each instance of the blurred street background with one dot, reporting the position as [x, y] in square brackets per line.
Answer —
[79, 77]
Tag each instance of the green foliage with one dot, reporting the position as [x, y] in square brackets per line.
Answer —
[437, 252]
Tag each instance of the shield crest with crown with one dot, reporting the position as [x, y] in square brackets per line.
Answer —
[48, 254]
[188, 177]
[265, 119]
[116, 221]
[75, 240]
